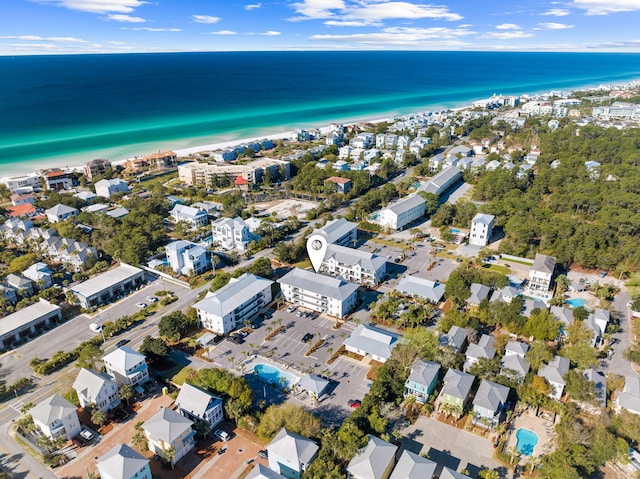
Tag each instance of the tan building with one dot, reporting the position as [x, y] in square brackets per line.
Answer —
[203, 174]
[95, 168]
[154, 161]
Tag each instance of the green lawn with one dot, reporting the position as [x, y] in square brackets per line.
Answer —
[391, 243]
[497, 268]
[181, 376]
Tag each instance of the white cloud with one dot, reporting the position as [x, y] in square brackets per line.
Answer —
[125, 18]
[253, 6]
[555, 26]
[152, 29]
[95, 6]
[205, 19]
[350, 23]
[371, 11]
[269, 33]
[509, 35]
[36, 38]
[557, 12]
[605, 7]
[223, 32]
[401, 36]
[508, 26]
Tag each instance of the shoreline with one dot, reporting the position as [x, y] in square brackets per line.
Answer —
[186, 147]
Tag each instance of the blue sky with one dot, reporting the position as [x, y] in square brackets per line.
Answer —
[120, 26]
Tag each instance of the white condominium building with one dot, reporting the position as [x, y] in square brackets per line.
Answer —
[340, 232]
[224, 310]
[318, 292]
[354, 265]
[399, 214]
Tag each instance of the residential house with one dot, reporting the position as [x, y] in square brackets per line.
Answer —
[424, 289]
[290, 454]
[188, 258]
[97, 389]
[485, 349]
[343, 185]
[192, 216]
[127, 366]
[95, 168]
[541, 272]
[363, 140]
[17, 199]
[160, 160]
[504, 295]
[86, 196]
[261, 471]
[224, 310]
[528, 305]
[401, 213]
[169, 430]
[374, 461]
[117, 212]
[108, 188]
[108, 285]
[554, 374]
[60, 213]
[57, 180]
[564, 315]
[231, 233]
[629, 398]
[40, 274]
[455, 392]
[122, 462]
[372, 342]
[333, 296]
[200, 406]
[22, 285]
[422, 380]
[412, 466]
[22, 183]
[340, 232]
[593, 169]
[456, 338]
[601, 318]
[341, 165]
[334, 138]
[354, 265]
[514, 365]
[8, 294]
[56, 417]
[441, 182]
[25, 210]
[479, 293]
[489, 403]
[481, 229]
[451, 474]
[315, 386]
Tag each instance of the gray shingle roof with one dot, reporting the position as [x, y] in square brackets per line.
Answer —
[516, 363]
[89, 383]
[124, 358]
[372, 461]
[483, 218]
[423, 372]
[555, 370]
[263, 472]
[60, 209]
[457, 384]
[293, 447]
[413, 466]
[479, 292]
[372, 340]
[451, 474]
[517, 347]
[336, 229]
[600, 382]
[121, 462]
[335, 288]
[51, 409]
[491, 395]
[454, 338]
[195, 400]
[544, 263]
[167, 425]
[564, 315]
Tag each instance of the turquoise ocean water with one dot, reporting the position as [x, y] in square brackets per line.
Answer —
[65, 110]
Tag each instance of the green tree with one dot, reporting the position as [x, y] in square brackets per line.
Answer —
[98, 417]
[139, 441]
[542, 325]
[154, 348]
[88, 355]
[456, 288]
[294, 418]
[125, 392]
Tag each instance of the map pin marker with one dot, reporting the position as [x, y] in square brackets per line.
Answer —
[316, 249]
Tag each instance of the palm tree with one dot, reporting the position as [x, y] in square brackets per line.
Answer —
[91, 475]
[169, 455]
[139, 441]
[98, 417]
[126, 392]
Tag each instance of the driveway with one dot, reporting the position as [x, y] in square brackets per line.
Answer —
[451, 447]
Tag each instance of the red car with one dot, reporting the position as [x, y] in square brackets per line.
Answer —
[354, 403]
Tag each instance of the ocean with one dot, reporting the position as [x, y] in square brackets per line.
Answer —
[65, 110]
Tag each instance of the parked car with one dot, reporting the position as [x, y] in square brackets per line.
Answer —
[307, 337]
[354, 403]
[242, 334]
[86, 434]
[152, 299]
[264, 454]
[122, 342]
[291, 309]
[220, 434]
[95, 327]
[141, 305]
[120, 415]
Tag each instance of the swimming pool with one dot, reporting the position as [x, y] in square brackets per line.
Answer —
[526, 441]
[271, 374]
[455, 231]
[576, 302]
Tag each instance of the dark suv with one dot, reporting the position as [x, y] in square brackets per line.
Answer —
[307, 337]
